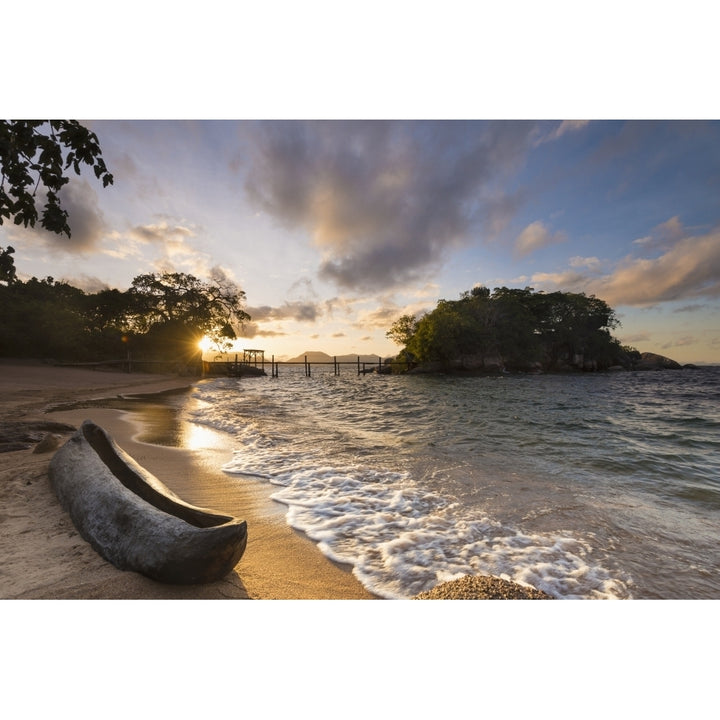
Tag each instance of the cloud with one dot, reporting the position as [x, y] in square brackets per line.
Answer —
[570, 126]
[592, 263]
[175, 243]
[161, 234]
[88, 283]
[689, 270]
[385, 201]
[569, 280]
[85, 219]
[663, 236]
[381, 317]
[384, 315]
[566, 126]
[636, 338]
[534, 237]
[680, 342]
[252, 329]
[298, 311]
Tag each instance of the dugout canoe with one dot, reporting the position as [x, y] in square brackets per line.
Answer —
[135, 521]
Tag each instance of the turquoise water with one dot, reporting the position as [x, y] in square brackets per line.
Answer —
[585, 486]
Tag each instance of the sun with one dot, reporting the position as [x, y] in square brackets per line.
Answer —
[205, 343]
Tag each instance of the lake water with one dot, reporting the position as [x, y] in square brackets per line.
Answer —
[585, 485]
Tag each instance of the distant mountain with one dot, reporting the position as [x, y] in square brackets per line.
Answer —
[315, 356]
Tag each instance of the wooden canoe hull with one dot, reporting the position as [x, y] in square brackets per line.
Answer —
[135, 521]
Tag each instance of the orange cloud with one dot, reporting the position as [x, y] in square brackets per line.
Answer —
[691, 269]
[534, 237]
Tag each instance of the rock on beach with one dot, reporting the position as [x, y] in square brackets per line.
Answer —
[482, 587]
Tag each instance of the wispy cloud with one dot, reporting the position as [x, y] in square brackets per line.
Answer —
[663, 237]
[592, 263]
[680, 342]
[635, 338]
[566, 126]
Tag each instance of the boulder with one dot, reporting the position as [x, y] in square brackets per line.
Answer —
[653, 361]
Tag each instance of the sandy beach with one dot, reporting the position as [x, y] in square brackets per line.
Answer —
[43, 556]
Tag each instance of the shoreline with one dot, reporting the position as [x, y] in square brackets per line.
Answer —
[54, 562]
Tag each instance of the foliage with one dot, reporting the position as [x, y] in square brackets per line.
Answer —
[7, 265]
[519, 329]
[159, 317]
[177, 308]
[35, 153]
[41, 318]
[402, 329]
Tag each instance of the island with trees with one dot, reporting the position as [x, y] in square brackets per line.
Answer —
[516, 330]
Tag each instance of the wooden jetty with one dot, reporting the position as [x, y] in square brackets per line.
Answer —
[253, 363]
[363, 367]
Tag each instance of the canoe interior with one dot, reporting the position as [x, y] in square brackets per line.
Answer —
[108, 452]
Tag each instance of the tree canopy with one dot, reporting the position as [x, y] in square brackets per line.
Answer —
[514, 329]
[160, 317]
[34, 155]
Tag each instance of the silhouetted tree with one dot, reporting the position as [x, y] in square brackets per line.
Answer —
[7, 265]
[175, 310]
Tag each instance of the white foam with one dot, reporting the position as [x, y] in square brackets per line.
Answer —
[402, 541]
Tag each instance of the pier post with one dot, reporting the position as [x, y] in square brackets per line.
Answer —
[358, 364]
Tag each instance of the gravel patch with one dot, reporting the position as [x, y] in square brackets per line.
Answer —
[482, 587]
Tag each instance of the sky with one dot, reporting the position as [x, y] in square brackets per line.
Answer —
[335, 228]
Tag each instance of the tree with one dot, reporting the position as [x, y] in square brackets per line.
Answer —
[175, 310]
[35, 153]
[402, 329]
[519, 326]
[42, 318]
[7, 265]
